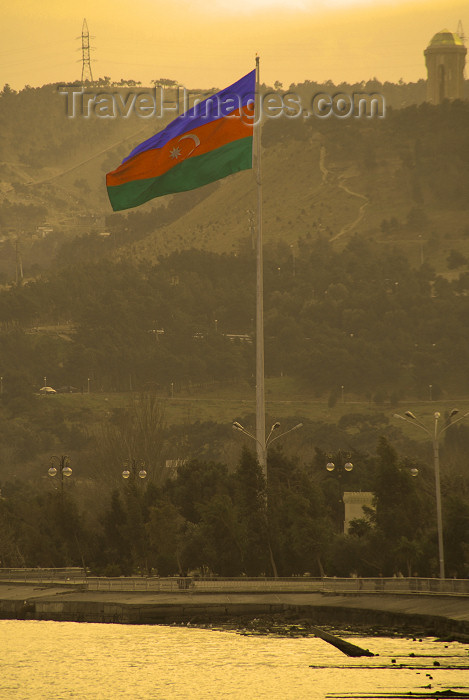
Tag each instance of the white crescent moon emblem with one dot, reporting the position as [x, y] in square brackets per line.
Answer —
[196, 140]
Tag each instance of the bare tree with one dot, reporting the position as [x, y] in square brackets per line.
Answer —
[134, 434]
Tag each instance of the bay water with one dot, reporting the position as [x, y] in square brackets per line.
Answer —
[60, 660]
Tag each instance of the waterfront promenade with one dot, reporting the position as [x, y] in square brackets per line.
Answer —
[406, 604]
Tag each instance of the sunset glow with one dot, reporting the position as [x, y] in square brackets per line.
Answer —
[205, 45]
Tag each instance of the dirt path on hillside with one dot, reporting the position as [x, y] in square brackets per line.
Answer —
[361, 210]
[341, 183]
[322, 164]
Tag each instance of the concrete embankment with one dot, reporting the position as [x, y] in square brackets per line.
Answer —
[433, 614]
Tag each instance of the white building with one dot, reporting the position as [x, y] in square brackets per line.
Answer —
[353, 505]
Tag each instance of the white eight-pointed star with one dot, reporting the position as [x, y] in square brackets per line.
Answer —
[175, 152]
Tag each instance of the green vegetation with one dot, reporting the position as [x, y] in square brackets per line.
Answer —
[338, 319]
[146, 319]
[360, 318]
[214, 521]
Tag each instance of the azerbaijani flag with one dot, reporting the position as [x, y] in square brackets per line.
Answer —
[211, 140]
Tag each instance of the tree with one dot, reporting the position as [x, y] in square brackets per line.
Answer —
[299, 528]
[216, 543]
[114, 557]
[399, 513]
[250, 502]
[455, 259]
[134, 433]
[456, 533]
[166, 530]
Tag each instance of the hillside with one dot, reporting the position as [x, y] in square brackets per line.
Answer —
[401, 179]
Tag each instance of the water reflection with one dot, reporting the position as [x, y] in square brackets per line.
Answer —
[95, 662]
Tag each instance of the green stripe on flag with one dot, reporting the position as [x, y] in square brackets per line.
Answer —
[187, 175]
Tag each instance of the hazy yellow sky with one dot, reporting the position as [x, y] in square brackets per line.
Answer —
[212, 43]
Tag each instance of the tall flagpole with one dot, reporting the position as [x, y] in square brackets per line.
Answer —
[260, 392]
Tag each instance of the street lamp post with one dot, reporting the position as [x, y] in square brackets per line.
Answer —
[347, 467]
[262, 447]
[409, 417]
[134, 468]
[63, 469]
[134, 471]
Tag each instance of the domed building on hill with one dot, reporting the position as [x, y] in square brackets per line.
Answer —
[445, 57]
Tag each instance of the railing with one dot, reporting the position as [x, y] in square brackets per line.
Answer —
[188, 584]
[207, 585]
[285, 585]
[448, 586]
[71, 574]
